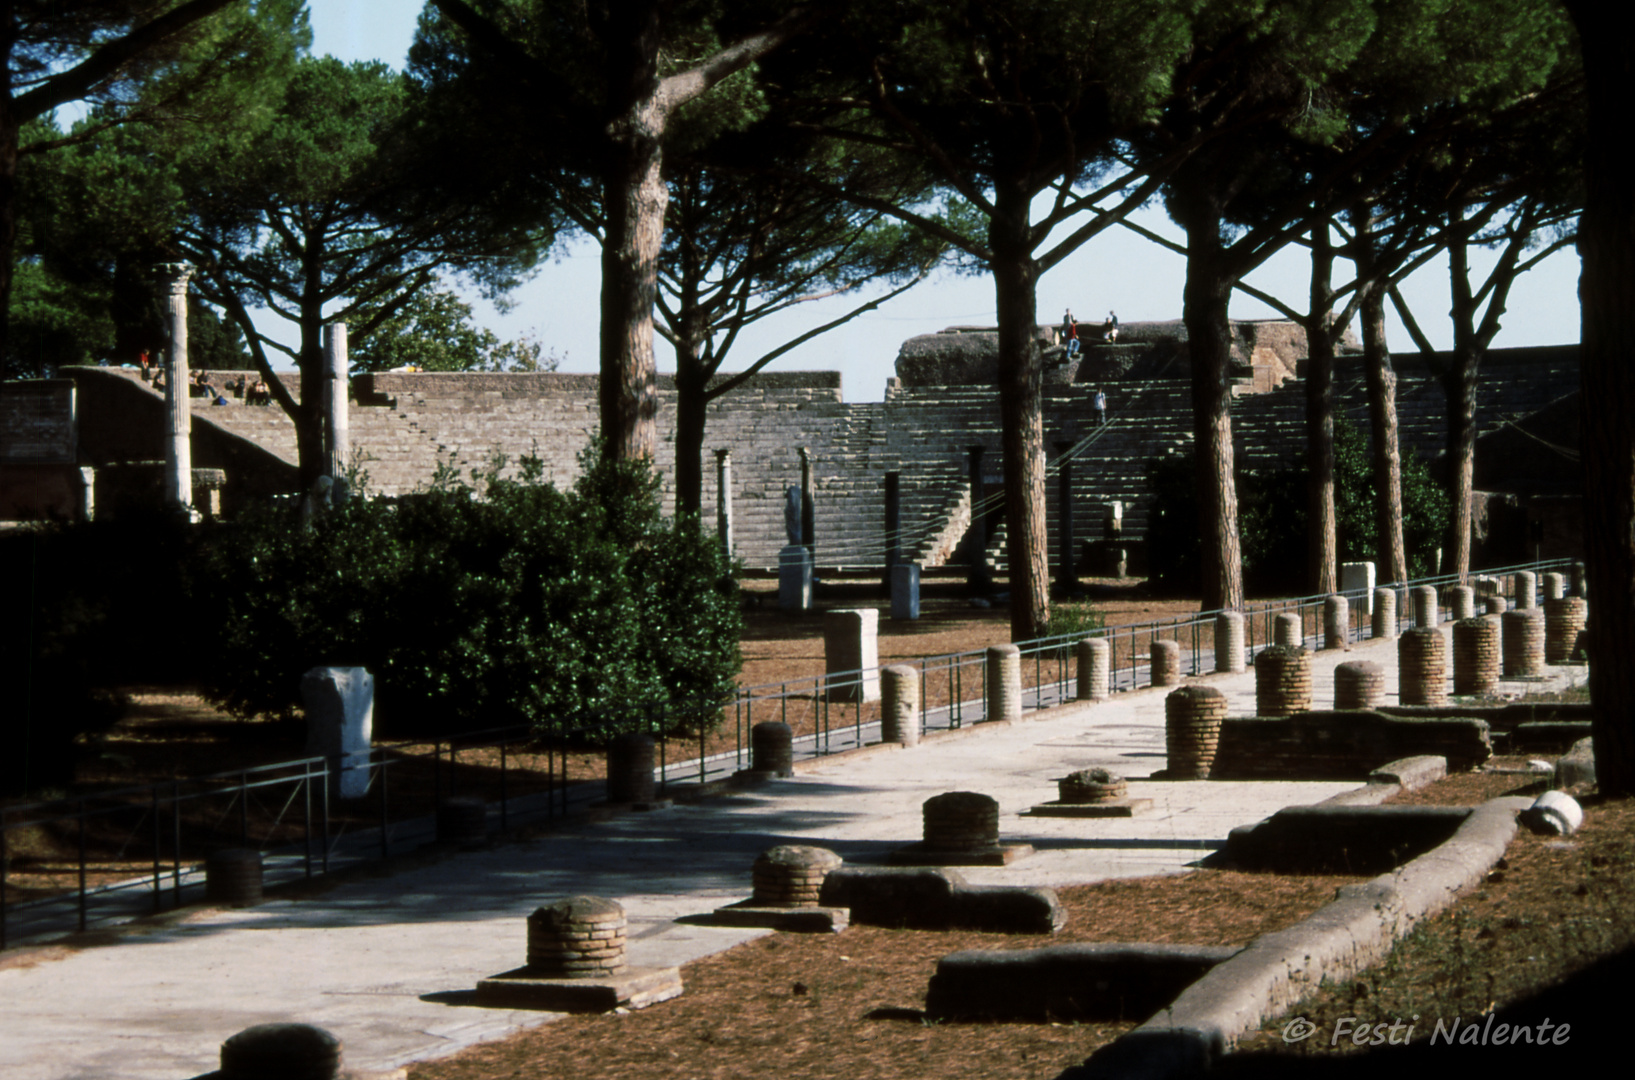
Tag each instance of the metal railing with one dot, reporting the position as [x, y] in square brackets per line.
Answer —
[65, 863]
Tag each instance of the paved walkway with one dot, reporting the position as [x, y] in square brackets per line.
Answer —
[385, 961]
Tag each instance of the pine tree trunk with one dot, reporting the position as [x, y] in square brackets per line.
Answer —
[1607, 400]
[1387, 451]
[634, 197]
[1021, 379]
[692, 407]
[1460, 388]
[1204, 308]
[8, 220]
[1322, 542]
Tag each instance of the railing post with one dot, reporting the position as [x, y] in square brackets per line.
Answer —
[158, 845]
[386, 806]
[82, 865]
[504, 818]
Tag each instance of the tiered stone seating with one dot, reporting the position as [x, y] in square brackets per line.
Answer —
[405, 426]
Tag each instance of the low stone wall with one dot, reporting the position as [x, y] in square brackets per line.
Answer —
[1101, 981]
[940, 899]
[1342, 839]
[1341, 745]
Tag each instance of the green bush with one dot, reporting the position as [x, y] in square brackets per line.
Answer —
[1272, 519]
[478, 605]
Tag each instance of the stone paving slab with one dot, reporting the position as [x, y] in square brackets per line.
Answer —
[388, 962]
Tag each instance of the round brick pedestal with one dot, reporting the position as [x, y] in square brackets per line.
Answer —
[1384, 624]
[1090, 787]
[1358, 684]
[1095, 669]
[1476, 658]
[1426, 613]
[900, 704]
[1564, 620]
[1422, 667]
[1336, 622]
[1192, 730]
[1523, 643]
[771, 748]
[1282, 681]
[462, 819]
[961, 821]
[232, 877]
[281, 1052]
[792, 875]
[1166, 663]
[582, 937]
[630, 769]
[1004, 682]
[1229, 655]
[1526, 590]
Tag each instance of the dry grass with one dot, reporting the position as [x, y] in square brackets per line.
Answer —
[848, 1005]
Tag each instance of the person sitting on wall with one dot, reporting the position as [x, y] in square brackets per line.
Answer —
[1109, 329]
[196, 386]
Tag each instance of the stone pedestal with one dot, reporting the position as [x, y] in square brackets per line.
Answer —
[1336, 623]
[340, 707]
[1461, 602]
[788, 882]
[281, 1052]
[1192, 728]
[1229, 644]
[1092, 793]
[900, 705]
[1523, 643]
[1166, 663]
[1555, 586]
[1476, 656]
[1564, 621]
[1526, 590]
[576, 963]
[1358, 684]
[1494, 605]
[1289, 630]
[961, 828]
[772, 748]
[794, 579]
[1426, 612]
[630, 770]
[905, 591]
[1004, 690]
[1282, 681]
[232, 877]
[1384, 619]
[1357, 583]
[462, 820]
[851, 654]
[1422, 667]
[1095, 669]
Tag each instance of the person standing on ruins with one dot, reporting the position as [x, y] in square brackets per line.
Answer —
[1101, 407]
[1109, 328]
[1070, 334]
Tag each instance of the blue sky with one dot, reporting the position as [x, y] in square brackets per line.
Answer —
[1118, 271]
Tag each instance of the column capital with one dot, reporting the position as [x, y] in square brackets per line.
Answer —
[172, 278]
[723, 454]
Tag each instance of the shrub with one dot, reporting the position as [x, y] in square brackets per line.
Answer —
[1272, 518]
[478, 605]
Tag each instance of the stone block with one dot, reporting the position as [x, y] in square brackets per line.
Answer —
[1342, 745]
[340, 707]
[794, 579]
[1357, 582]
[905, 591]
[1342, 839]
[940, 899]
[1576, 766]
[851, 654]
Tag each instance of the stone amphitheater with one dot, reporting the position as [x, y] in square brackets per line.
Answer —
[941, 403]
